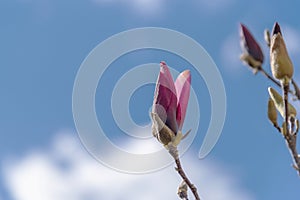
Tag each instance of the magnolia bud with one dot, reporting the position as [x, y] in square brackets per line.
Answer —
[283, 129]
[272, 113]
[297, 126]
[281, 64]
[183, 190]
[162, 132]
[279, 104]
[267, 37]
[276, 29]
[252, 53]
[250, 61]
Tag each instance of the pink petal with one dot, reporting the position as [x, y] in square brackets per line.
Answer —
[165, 100]
[168, 81]
[249, 44]
[182, 85]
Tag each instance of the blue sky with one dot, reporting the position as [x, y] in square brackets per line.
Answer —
[42, 46]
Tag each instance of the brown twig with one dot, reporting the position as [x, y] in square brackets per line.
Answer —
[261, 70]
[185, 178]
[174, 152]
[296, 88]
[288, 136]
[277, 127]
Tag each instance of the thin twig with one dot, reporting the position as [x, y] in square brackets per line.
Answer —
[277, 127]
[289, 137]
[297, 91]
[276, 82]
[174, 152]
[268, 76]
[185, 178]
[296, 88]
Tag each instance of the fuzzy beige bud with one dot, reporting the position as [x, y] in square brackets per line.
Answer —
[297, 126]
[162, 132]
[279, 104]
[281, 64]
[272, 113]
[267, 37]
[183, 190]
[250, 61]
[283, 128]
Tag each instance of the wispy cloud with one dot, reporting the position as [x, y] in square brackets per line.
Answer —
[140, 7]
[43, 9]
[215, 5]
[292, 39]
[66, 171]
[230, 53]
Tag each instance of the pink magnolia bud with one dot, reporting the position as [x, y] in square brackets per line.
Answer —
[182, 85]
[170, 103]
[252, 53]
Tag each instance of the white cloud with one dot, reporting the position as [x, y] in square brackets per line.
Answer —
[66, 171]
[212, 6]
[292, 39]
[43, 9]
[141, 7]
[230, 53]
[147, 5]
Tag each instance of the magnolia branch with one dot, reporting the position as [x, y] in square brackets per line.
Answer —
[174, 152]
[288, 135]
[297, 90]
[268, 76]
[282, 73]
[185, 178]
[260, 69]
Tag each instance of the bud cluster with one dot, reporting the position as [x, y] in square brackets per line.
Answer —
[282, 75]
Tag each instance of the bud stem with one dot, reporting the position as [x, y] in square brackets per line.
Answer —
[268, 76]
[297, 90]
[182, 191]
[185, 178]
[174, 152]
[289, 137]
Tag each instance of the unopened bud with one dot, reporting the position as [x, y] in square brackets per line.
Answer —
[279, 104]
[283, 128]
[276, 29]
[281, 64]
[267, 37]
[251, 62]
[252, 53]
[162, 132]
[272, 113]
[297, 126]
[182, 190]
